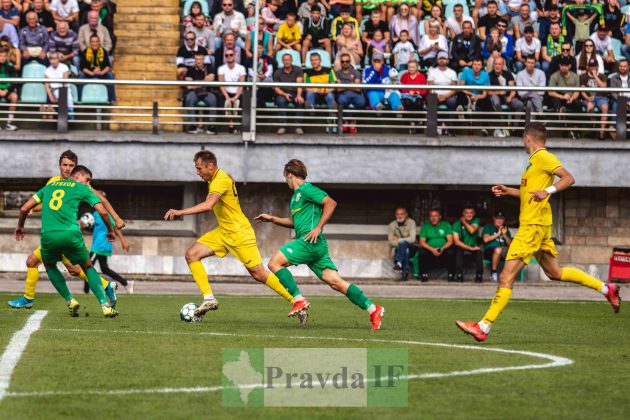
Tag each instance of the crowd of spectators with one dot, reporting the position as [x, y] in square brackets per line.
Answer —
[70, 38]
[441, 42]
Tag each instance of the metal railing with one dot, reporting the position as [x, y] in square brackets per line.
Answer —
[433, 120]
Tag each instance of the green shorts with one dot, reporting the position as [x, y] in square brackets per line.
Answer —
[69, 243]
[314, 255]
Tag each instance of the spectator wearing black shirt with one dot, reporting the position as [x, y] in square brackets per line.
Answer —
[287, 96]
[613, 18]
[186, 54]
[44, 17]
[316, 32]
[566, 50]
[7, 90]
[199, 94]
[465, 48]
[553, 16]
[490, 20]
[373, 24]
[229, 43]
[95, 64]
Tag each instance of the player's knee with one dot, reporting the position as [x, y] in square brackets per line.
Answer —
[32, 261]
[191, 256]
[554, 274]
[506, 279]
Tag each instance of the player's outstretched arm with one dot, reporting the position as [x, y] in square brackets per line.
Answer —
[502, 190]
[24, 212]
[566, 180]
[204, 207]
[102, 211]
[327, 211]
[120, 223]
[280, 221]
[123, 241]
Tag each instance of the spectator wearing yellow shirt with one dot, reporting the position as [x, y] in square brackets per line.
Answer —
[289, 35]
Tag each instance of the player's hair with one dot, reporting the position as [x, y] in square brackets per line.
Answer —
[81, 169]
[536, 130]
[296, 168]
[206, 156]
[435, 209]
[468, 206]
[70, 155]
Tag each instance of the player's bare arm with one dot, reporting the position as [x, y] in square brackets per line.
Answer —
[502, 190]
[328, 209]
[206, 206]
[123, 241]
[280, 221]
[120, 223]
[462, 245]
[566, 180]
[449, 243]
[25, 210]
[469, 227]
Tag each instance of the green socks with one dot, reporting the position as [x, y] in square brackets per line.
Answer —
[94, 280]
[287, 280]
[357, 297]
[56, 278]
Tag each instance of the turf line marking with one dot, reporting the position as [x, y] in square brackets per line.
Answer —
[552, 361]
[14, 350]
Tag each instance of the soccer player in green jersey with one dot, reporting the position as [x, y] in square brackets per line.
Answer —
[311, 209]
[61, 233]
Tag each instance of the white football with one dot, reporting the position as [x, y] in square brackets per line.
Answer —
[187, 313]
[88, 220]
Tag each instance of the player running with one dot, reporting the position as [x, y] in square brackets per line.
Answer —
[61, 233]
[311, 208]
[533, 238]
[67, 162]
[234, 234]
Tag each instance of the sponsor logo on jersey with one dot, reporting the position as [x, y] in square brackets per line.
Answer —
[295, 211]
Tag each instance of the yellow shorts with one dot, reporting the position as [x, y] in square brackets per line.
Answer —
[240, 244]
[530, 241]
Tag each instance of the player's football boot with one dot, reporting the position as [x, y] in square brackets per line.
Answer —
[206, 305]
[109, 312]
[110, 291]
[377, 317]
[21, 303]
[613, 297]
[299, 305]
[73, 308]
[473, 329]
[302, 316]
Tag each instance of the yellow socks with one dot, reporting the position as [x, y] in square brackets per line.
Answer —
[104, 282]
[32, 275]
[200, 276]
[575, 275]
[500, 301]
[274, 284]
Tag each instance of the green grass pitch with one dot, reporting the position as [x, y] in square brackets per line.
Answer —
[148, 347]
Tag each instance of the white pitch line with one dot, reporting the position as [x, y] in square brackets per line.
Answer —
[14, 350]
[553, 361]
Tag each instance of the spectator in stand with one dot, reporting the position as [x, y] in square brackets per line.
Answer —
[620, 80]
[496, 239]
[231, 71]
[186, 55]
[56, 70]
[594, 79]
[430, 44]
[582, 22]
[565, 101]
[413, 99]
[9, 13]
[373, 24]
[203, 34]
[94, 26]
[319, 74]
[343, 18]
[587, 55]
[603, 47]
[14, 54]
[436, 246]
[465, 47]
[67, 11]
[66, 43]
[289, 36]
[566, 51]
[613, 18]
[428, 5]
[263, 71]
[403, 52]
[524, 20]
[441, 75]
[375, 75]
[477, 100]
[8, 91]
[229, 21]
[195, 10]
[404, 20]
[196, 94]
[9, 31]
[347, 74]
[551, 46]
[625, 48]
[230, 43]
[337, 7]
[525, 46]
[489, 20]
[498, 98]
[531, 76]
[348, 42]
[105, 12]
[455, 24]
[467, 249]
[316, 33]
[552, 16]
[286, 96]
[264, 37]
[401, 236]
[95, 64]
[507, 43]
[304, 11]
[435, 15]
[272, 22]
[378, 44]
[33, 41]
[44, 17]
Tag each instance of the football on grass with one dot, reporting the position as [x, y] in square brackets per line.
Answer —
[187, 313]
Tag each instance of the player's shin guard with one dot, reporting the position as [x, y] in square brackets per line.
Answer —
[32, 276]
[500, 301]
[287, 280]
[94, 280]
[575, 275]
[356, 296]
[274, 284]
[56, 278]
[201, 277]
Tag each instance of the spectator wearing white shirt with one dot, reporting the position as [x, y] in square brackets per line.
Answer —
[525, 46]
[531, 76]
[66, 11]
[56, 70]
[455, 22]
[441, 75]
[403, 51]
[229, 20]
[231, 72]
[603, 47]
[430, 44]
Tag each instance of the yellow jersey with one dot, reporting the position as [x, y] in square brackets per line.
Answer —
[227, 210]
[287, 34]
[538, 175]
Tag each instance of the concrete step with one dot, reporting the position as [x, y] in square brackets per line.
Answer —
[168, 74]
[149, 5]
[147, 47]
[130, 33]
[136, 15]
[141, 28]
[133, 9]
[136, 66]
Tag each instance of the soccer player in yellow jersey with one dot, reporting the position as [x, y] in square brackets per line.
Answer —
[533, 238]
[234, 235]
[67, 162]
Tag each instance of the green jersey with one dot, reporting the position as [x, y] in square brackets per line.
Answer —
[306, 208]
[60, 202]
[495, 243]
[466, 237]
[436, 235]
